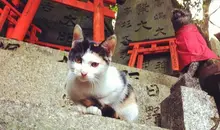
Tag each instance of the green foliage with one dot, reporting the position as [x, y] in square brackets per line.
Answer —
[176, 4]
[114, 7]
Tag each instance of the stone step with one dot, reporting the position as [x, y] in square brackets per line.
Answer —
[189, 108]
[20, 115]
[36, 77]
[33, 50]
[55, 55]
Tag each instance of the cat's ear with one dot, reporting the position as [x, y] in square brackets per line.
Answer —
[109, 44]
[77, 34]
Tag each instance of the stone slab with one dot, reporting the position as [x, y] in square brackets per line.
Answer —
[145, 76]
[38, 80]
[189, 109]
[186, 80]
[5, 56]
[55, 55]
[36, 77]
[33, 49]
[18, 115]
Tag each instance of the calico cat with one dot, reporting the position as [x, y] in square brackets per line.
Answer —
[97, 87]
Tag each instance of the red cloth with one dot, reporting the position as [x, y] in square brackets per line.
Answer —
[191, 46]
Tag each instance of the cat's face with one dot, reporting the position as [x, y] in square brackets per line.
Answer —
[89, 60]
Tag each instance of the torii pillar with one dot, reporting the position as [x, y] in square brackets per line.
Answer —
[25, 20]
[98, 21]
[11, 25]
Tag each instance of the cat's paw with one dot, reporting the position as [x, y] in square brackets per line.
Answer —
[81, 109]
[94, 110]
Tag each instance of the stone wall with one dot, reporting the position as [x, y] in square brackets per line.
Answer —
[140, 20]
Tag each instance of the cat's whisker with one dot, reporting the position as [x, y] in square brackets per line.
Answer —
[93, 85]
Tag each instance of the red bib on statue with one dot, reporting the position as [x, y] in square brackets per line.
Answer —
[191, 46]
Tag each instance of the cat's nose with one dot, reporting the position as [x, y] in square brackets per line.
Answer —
[83, 74]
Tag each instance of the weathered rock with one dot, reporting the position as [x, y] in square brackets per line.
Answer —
[31, 74]
[189, 109]
[186, 80]
[18, 115]
[34, 50]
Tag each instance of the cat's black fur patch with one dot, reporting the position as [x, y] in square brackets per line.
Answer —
[123, 77]
[96, 102]
[108, 111]
[81, 47]
[129, 91]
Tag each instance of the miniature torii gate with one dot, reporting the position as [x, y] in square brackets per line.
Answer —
[97, 7]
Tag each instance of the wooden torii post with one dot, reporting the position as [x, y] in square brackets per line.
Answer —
[99, 11]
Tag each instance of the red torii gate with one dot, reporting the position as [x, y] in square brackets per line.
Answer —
[99, 11]
[24, 22]
[10, 13]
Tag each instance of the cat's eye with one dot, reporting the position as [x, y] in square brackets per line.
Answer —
[94, 64]
[78, 60]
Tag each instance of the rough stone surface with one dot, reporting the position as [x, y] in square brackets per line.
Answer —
[16, 115]
[141, 20]
[189, 109]
[186, 80]
[34, 50]
[55, 55]
[31, 74]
